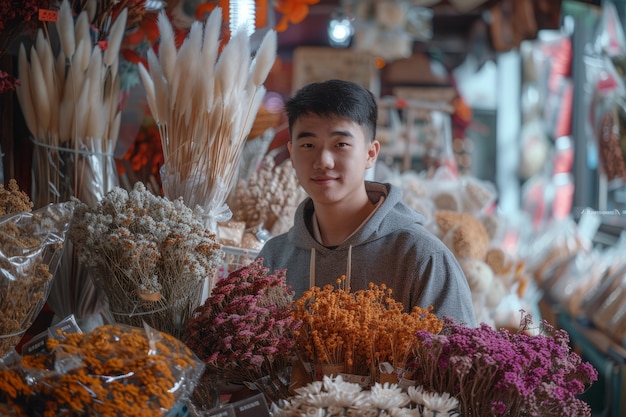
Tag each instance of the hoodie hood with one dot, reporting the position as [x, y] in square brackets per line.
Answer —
[387, 219]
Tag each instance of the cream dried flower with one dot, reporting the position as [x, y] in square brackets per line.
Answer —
[151, 256]
[269, 197]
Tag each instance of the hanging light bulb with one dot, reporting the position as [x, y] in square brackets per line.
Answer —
[242, 13]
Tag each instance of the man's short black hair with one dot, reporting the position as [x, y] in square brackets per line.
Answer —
[334, 98]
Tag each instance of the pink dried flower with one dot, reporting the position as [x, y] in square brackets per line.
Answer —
[499, 373]
[7, 82]
[244, 330]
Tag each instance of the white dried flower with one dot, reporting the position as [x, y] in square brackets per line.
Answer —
[148, 254]
[443, 404]
[388, 396]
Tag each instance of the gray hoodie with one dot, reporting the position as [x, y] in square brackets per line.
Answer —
[393, 247]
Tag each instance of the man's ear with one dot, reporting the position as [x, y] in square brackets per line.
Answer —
[289, 147]
[372, 153]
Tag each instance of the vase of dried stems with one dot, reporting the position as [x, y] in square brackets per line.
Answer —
[59, 173]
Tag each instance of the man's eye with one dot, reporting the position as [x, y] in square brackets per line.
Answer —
[342, 144]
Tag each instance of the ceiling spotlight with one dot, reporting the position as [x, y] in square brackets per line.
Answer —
[340, 30]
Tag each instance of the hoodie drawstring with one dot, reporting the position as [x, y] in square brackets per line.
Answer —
[348, 268]
[312, 269]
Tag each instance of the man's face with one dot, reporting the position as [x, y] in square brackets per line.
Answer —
[330, 157]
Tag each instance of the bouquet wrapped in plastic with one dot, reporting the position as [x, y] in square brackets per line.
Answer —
[31, 244]
[114, 370]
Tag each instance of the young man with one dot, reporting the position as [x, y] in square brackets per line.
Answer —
[352, 227]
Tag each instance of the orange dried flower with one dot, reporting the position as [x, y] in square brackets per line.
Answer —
[359, 330]
[115, 370]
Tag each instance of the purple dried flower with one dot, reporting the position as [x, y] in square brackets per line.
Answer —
[496, 372]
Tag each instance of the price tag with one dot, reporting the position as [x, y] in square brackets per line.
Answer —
[255, 406]
[46, 15]
[225, 411]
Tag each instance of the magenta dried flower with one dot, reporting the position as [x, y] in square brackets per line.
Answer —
[498, 373]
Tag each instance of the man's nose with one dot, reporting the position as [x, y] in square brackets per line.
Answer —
[323, 159]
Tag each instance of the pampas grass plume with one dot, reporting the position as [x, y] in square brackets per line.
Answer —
[23, 91]
[183, 79]
[41, 102]
[60, 70]
[81, 30]
[65, 27]
[161, 91]
[167, 46]
[264, 59]
[91, 8]
[231, 65]
[148, 84]
[81, 114]
[115, 38]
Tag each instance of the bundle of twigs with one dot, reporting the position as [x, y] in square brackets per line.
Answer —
[70, 101]
[205, 103]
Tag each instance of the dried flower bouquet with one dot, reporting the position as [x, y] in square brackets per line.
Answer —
[31, 244]
[70, 98]
[114, 370]
[244, 331]
[151, 256]
[499, 373]
[70, 102]
[205, 103]
[336, 397]
[359, 331]
[268, 198]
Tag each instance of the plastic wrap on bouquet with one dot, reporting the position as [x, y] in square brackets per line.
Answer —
[199, 192]
[31, 245]
[207, 196]
[114, 370]
[163, 310]
[60, 173]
